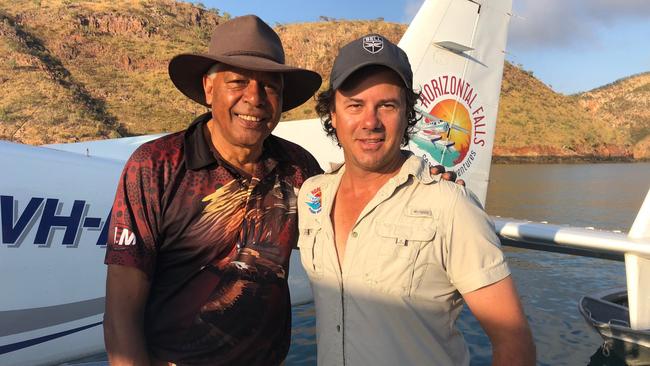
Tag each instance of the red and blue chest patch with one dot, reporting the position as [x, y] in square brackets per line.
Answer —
[314, 200]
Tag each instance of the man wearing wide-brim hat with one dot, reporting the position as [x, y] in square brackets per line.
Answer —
[204, 219]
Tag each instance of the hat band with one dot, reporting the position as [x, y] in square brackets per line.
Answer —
[254, 54]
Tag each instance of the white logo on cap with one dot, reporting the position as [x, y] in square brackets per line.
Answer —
[373, 44]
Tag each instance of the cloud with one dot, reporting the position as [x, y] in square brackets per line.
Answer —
[560, 23]
[614, 10]
[410, 9]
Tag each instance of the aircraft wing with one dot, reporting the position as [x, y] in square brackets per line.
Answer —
[118, 149]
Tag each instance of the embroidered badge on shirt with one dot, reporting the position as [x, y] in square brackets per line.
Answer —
[314, 202]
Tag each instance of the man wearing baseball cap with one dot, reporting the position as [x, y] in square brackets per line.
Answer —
[392, 253]
[204, 220]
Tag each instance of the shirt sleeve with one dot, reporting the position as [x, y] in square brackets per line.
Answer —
[132, 235]
[474, 256]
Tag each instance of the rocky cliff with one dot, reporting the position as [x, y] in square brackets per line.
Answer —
[81, 70]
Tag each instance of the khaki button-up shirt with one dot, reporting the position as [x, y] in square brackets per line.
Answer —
[416, 247]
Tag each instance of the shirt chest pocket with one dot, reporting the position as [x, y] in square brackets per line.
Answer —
[311, 251]
[393, 265]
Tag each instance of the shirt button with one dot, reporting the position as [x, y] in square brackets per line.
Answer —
[354, 234]
[338, 328]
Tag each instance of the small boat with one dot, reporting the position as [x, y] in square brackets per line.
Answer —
[608, 314]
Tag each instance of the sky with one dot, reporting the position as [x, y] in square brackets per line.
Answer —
[570, 45]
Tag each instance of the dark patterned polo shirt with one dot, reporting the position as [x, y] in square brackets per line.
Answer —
[215, 245]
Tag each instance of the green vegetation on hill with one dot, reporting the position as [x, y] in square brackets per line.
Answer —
[314, 45]
[625, 106]
[87, 70]
[533, 118]
[82, 70]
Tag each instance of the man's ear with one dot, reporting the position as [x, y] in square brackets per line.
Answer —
[333, 118]
[208, 83]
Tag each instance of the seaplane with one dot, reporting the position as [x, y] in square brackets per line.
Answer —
[55, 203]
[437, 123]
[434, 127]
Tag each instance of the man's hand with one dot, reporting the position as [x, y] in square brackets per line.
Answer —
[450, 176]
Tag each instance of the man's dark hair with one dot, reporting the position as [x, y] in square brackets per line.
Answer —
[325, 107]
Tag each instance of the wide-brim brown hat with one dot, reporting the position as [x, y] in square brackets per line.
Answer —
[248, 43]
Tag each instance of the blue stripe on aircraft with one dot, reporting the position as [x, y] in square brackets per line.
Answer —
[92, 222]
[31, 342]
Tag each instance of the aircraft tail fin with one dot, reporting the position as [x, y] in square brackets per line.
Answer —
[457, 49]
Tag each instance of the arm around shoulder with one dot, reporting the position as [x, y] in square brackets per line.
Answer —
[498, 309]
[127, 290]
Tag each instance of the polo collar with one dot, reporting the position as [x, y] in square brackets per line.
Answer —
[198, 153]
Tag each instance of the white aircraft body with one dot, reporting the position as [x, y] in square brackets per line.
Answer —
[55, 201]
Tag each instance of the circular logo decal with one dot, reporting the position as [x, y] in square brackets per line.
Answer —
[445, 132]
[452, 131]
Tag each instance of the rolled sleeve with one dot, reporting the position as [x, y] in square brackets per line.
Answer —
[475, 258]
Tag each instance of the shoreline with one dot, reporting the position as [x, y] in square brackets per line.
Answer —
[554, 159]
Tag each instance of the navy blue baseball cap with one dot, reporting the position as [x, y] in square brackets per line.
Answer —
[371, 49]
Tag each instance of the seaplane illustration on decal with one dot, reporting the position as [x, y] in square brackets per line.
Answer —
[438, 132]
[452, 123]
